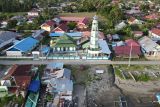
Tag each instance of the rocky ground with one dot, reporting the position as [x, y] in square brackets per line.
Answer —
[104, 90]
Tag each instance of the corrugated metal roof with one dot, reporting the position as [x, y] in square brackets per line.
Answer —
[7, 35]
[62, 85]
[73, 34]
[25, 45]
[57, 65]
[104, 46]
[148, 45]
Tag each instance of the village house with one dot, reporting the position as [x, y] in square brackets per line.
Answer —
[130, 47]
[33, 13]
[133, 11]
[39, 34]
[59, 83]
[81, 21]
[120, 25]
[149, 47]
[75, 35]
[137, 33]
[22, 47]
[62, 28]
[18, 81]
[154, 33]
[7, 37]
[153, 16]
[48, 25]
[133, 20]
[3, 24]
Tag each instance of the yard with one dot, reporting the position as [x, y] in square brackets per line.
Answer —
[81, 14]
[138, 73]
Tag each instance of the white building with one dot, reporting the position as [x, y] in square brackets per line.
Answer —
[149, 47]
[97, 46]
[155, 34]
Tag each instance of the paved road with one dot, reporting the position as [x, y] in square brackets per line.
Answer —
[78, 62]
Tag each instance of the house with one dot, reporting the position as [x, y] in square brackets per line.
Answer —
[20, 77]
[63, 87]
[115, 38]
[152, 16]
[75, 35]
[62, 28]
[61, 73]
[48, 25]
[137, 33]
[22, 47]
[133, 11]
[87, 34]
[155, 34]
[64, 43]
[39, 34]
[149, 47]
[133, 20]
[58, 80]
[120, 26]
[7, 37]
[20, 19]
[3, 24]
[81, 21]
[131, 47]
[52, 66]
[33, 13]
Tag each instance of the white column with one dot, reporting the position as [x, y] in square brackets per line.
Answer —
[58, 48]
[70, 48]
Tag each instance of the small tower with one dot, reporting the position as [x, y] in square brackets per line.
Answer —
[94, 46]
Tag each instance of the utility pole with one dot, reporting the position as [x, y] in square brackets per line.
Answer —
[41, 52]
[130, 56]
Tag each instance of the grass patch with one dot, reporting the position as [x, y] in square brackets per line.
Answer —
[118, 73]
[142, 77]
[80, 73]
[79, 14]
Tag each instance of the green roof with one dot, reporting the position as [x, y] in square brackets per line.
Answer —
[64, 41]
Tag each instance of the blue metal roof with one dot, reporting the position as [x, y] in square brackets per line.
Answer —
[25, 45]
[34, 86]
[45, 50]
[55, 65]
[73, 34]
[104, 47]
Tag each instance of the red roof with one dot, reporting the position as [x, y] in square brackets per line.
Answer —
[61, 27]
[49, 23]
[152, 16]
[88, 34]
[131, 19]
[11, 71]
[22, 70]
[23, 81]
[155, 31]
[125, 50]
[18, 70]
[133, 42]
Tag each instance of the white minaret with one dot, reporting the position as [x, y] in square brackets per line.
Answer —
[94, 34]
[94, 49]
